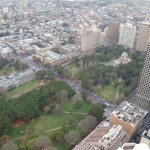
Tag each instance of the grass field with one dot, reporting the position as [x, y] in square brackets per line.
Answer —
[60, 146]
[16, 92]
[7, 71]
[44, 123]
[108, 92]
[73, 70]
[50, 121]
[48, 124]
[70, 106]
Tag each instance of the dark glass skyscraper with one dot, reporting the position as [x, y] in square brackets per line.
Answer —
[143, 91]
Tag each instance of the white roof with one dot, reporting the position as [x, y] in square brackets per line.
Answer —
[141, 146]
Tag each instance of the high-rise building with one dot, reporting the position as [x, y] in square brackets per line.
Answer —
[113, 32]
[91, 39]
[87, 41]
[129, 116]
[143, 91]
[127, 35]
[143, 36]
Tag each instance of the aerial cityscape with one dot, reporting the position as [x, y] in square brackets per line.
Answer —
[75, 75]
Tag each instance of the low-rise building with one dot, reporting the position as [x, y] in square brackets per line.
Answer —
[113, 139]
[104, 137]
[6, 52]
[146, 138]
[16, 80]
[51, 58]
[134, 146]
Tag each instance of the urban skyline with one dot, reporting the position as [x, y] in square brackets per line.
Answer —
[74, 74]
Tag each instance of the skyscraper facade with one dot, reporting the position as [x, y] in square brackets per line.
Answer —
[127, 35]
[113, 32]
[91, 39]
[143, 37]
[143, 91]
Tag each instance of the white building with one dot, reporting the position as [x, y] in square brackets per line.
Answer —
[146, 138]
[127, 35]
[133, 146]
[113, 139]
[104, 137]
[6, 52]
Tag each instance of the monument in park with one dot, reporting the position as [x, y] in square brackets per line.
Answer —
[124, 59]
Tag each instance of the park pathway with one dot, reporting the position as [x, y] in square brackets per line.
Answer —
[24, 137]
[70, 112]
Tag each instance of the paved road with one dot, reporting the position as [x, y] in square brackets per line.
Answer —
[94, 97]
[31, 64]
[145, 126]
[75, 86]
[131, 97]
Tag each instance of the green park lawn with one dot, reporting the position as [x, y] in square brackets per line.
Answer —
[58, 146]
[44, 123]
[70, 107]
[16, 92]
[108, 92]
[50, 121]
[6, 71]
[73, 70]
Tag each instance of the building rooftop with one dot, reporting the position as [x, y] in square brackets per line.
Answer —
[146, 134]
[95, 136]
[112, 134]
[134, 146]
[4, 48]
[128, 112]
[51, 56]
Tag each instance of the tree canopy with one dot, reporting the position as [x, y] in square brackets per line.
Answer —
[31, 104]
[97, 111]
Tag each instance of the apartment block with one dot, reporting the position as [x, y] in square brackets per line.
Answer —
[113, 139]
[143, 37]
[104, 137]
[91, 39]
[127, 35]
[113, 32]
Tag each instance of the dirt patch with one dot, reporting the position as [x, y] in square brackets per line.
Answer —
[42, 82]
[18, 123]
[19, 94]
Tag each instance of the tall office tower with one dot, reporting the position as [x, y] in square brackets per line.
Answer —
[143, 91]
[87, 41]
[113, 32]
[143, 37]
[91, 39]
[127, 35]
